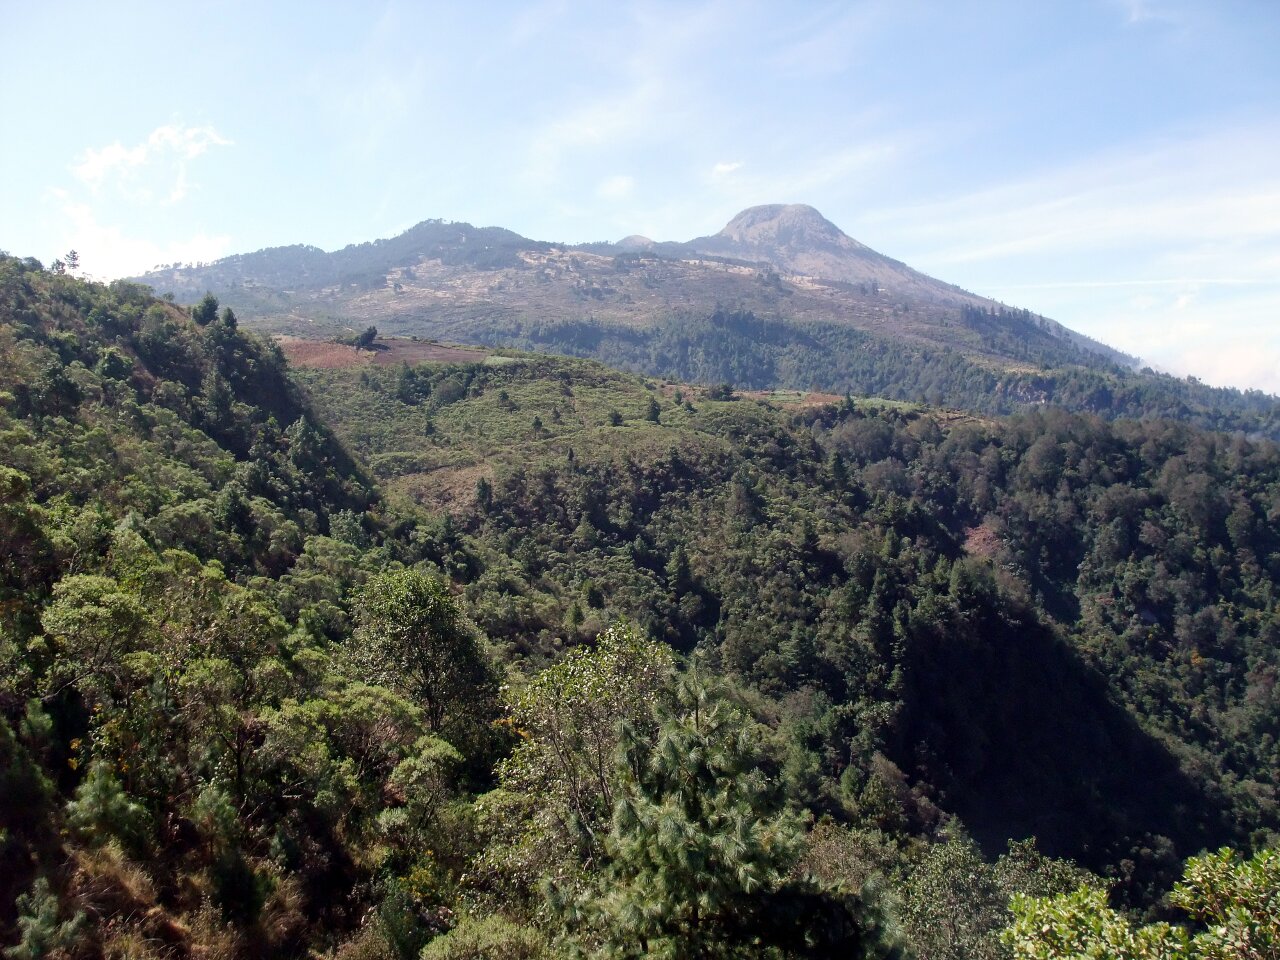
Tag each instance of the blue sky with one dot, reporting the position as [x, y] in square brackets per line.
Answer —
[1114, 164]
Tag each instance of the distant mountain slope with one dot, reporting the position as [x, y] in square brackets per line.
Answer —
[784, 262]
[780, 297]
[797, 238]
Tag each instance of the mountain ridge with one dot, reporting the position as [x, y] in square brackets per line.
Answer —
[791, 239]
[748, 305]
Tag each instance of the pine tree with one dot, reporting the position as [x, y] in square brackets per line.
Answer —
[41, 931]
[700, 855]
[102, 811]
[206, 311]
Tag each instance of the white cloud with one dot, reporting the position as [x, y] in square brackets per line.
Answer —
[1167, 249]
[1223, 333]
[107, 252]
[1238, 362]
[156, 166]
[616, 188]
[726, 168]
[138, 185]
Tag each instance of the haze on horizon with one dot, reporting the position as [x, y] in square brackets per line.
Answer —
[1107, 163]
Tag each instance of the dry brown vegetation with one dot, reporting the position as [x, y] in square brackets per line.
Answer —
[328, 355]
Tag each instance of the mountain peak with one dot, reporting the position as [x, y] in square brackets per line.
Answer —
[785, 224]
[779, 232]
[797, 238]
[636, 242]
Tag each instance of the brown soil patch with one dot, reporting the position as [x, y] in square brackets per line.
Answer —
[326, 355]
[794, 398]
[981, 541]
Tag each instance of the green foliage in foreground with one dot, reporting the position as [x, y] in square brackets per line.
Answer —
[954, 903]
[489, 938]
[557, 787]
[42, 931]
[700, 854]
[1047, 624]
[1234, 905]
[250, 707]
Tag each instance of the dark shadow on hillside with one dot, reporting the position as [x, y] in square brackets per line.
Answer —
[1026, 740]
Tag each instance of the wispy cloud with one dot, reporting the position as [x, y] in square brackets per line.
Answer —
[1148, 247]
[1198, 207]
[830, 38]
[156, 167]
[378, 89]
[795, 181]
[645, 93]
[607, 121]
[142, 185]
[533, 21]
[1144, 11]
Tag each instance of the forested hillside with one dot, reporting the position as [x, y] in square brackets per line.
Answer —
[777, 352]
[522, 656]
[779, 299]
[934, 590]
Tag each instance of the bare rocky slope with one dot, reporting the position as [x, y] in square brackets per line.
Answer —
[778, 261]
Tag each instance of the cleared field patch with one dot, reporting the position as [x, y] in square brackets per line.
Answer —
[327, 355]
[793, 398]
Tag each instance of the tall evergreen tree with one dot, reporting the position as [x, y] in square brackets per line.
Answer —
[701, 855]
[206, 311]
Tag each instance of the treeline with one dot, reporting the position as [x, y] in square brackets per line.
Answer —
[758, 353]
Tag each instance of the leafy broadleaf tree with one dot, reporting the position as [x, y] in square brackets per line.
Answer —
[423, 782]
[1082, 924]
[412, 638]
[955, 903]
[1233, 900]
[701, 855]
[551, 812]
[1238, 900]
[95, 623]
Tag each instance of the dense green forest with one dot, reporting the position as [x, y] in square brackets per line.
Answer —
[530, 658]
[1029, 364]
